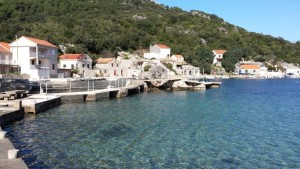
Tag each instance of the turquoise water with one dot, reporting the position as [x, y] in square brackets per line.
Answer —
[244, 124]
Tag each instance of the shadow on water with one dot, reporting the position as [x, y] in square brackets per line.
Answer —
[116, 131]
[227, 163]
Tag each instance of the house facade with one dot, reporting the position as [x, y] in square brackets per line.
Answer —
[177, 58]
[35, 57]
[218, 57]
[250, 68]
[295, 71]
[116, 67]
[189, 70]
[107, 67]
[158, 51]
[6, 62]
[79, 62]
[291, 69]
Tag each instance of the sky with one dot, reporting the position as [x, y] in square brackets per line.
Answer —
[279, 18]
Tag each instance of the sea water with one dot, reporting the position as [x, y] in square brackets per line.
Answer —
[243, 124]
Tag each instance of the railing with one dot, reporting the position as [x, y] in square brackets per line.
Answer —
[41, 55]
[6, 62]
[39, 66]
[84, 85]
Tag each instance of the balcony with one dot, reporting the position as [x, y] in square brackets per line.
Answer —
[42, 67]
[41, 55]
[6, 62]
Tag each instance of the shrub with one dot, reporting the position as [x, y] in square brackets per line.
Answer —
[146, 68]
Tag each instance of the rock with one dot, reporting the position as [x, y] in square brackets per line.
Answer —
[200, 87]
[156, 71]
[181, 85]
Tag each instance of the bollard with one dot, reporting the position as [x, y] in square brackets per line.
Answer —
[17, 104]
[2, 134]
[12, 154]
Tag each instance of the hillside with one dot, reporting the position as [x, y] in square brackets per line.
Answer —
[97, 26]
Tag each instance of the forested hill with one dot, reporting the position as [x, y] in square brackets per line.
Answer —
[96, 26]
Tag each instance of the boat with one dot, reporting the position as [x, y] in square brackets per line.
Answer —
[291, 75]
[209, 77]
[225, 77]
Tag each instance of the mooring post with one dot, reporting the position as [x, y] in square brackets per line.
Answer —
[46, 87]
[70, 86]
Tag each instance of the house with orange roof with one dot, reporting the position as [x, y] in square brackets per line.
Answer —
[108, 67]
[218, 57]
[69, 62]
[117, 67]
[250, 68]
[158, 51]
[35, 57]
[6, 62]
[177, 58]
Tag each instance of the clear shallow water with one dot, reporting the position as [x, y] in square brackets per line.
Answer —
[244, 124]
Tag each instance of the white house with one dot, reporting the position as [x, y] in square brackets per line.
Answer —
[177, 58]
[158, 51]
[251, 68]
[80, 62]
[218, 57]
[189, 70]
[110, 67]
[37, 58]
[291, 69]
[6, 62]
[295, 71]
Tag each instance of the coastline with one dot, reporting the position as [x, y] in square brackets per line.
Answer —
[38, 103]
[124, 129]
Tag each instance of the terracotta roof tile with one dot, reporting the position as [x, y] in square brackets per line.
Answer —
[3, 50]
[40, 42]
[178, 56]
[219, 52]
[70, 56]
[104, 60]
[162, 46]
[5, 45]
[250, 67]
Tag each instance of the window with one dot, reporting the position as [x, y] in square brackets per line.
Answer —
[82, 65]
[88, 65]
[53, 66]
[112, 65]
[117, 64]
[254, 71]
[104, 71]
[64, 66]
[40, 62]
[72, 66]
[32, 62]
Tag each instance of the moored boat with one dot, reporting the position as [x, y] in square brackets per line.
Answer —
[291, 75]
